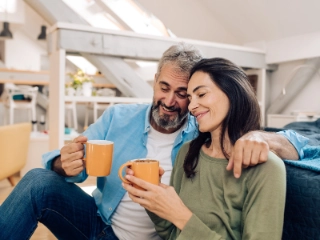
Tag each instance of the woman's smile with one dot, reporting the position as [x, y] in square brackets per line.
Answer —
[200, 115]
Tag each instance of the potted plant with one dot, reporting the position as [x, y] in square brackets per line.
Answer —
[81, 82]
[69, 90]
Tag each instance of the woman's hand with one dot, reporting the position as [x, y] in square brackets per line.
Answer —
[161, 200]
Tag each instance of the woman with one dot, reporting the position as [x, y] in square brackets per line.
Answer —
[206, 201]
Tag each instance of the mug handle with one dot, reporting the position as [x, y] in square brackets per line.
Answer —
[84, 150]
[120, 172]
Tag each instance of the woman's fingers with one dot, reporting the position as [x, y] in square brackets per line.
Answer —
[132, 190]
[161, 172]
[141, 183]
[129, 171]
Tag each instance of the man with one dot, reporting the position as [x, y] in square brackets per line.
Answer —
[138, 131]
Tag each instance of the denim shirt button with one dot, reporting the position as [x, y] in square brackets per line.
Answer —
[110, 208]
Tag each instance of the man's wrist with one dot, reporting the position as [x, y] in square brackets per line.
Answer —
[56, 166]
[269, 137]
[281, 146]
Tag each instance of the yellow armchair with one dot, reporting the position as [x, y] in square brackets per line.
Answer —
[14, 143]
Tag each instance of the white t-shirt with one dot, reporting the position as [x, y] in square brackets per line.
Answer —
[130, 221]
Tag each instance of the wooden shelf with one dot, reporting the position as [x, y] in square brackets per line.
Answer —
[27, 77]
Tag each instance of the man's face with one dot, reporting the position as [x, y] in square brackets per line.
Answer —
[170, 102]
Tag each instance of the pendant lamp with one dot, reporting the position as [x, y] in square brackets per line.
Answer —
[5, 33]
[43, 33]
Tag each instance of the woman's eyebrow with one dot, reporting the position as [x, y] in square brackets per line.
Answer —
[198, 87]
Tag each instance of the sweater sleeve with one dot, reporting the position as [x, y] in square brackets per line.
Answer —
[195, 229]
[263, 210]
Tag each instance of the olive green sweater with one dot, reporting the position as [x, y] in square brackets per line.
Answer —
[223, 207]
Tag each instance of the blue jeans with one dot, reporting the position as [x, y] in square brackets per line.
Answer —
[44, 196]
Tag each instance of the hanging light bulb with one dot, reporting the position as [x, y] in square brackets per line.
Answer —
[43, 33]
[5, 33]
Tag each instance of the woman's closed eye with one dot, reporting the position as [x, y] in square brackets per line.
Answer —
[199, 95]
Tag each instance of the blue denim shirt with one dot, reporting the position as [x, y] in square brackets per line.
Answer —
[121, 124]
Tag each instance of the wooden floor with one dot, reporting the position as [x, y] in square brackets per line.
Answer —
[41, 233]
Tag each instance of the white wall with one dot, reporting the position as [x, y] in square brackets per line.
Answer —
[23, 53]
[308, 98]
[15, 11]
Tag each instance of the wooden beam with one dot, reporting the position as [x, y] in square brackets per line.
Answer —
[54, 11]
[86, 39]
[56, 99]
[121, 75]
[24, 77]
[100, 99]
[42, 78]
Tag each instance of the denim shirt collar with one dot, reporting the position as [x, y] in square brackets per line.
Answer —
[147, 119]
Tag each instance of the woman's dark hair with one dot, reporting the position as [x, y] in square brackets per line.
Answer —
[243, 115]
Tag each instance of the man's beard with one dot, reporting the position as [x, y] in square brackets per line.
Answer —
[164, 120]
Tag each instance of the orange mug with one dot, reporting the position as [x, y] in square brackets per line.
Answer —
[145, 169]
[98, 157]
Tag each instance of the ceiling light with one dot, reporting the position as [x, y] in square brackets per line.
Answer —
[43, 33]
[5, 33]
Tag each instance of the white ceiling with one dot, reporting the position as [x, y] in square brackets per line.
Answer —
[255, 20]
[238, 21]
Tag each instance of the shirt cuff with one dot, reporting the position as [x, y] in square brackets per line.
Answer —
[47, 159]
[297, 140]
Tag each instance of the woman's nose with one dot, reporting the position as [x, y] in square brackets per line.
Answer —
[192, 105]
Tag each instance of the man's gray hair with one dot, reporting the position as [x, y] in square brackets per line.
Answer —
[183, 56]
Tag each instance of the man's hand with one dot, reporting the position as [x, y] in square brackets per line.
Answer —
[71, 162]
[249, 150]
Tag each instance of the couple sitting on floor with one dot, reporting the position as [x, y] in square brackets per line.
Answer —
[202, 155]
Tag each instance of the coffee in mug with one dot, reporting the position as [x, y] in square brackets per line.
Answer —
[98, 157]
[145, 169]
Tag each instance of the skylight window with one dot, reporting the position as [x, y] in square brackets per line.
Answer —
[93, 14]
[118, 15]
[83, 64]
[9, 6]
[136, 18]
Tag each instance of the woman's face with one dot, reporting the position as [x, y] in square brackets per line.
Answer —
[208, 103]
